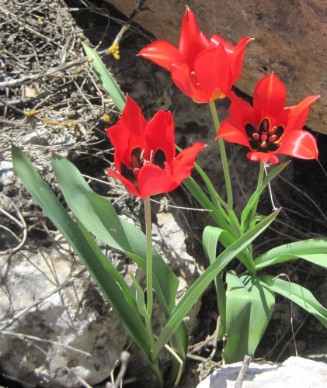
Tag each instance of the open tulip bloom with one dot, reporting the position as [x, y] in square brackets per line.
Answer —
[202, 68]
[145, 152]
[268, 127]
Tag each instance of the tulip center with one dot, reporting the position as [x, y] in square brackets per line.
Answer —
[265, 138]
[138, 160]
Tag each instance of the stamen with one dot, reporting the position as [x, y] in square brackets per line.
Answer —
[151, 156]
[264, 138]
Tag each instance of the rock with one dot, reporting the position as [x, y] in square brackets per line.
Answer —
[289, 40]
[56, 327]
[294, 372]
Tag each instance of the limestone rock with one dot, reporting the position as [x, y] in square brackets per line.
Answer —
[56, 327]
[294, 372]
[290, 40]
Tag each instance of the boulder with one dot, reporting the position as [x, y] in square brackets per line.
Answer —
[294, 372]
[290, 40]
[56, 329]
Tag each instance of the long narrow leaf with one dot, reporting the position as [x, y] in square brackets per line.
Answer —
[299, 295]
[107, 277]
[313, 250]
[201, 284]
[226, 238]
[245, 217]
[99, 217]
[105, 77]
[210, 239]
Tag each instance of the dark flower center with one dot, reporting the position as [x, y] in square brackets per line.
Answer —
[265, 138]
[138, 161]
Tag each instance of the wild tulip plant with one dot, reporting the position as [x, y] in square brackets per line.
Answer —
[146, 164]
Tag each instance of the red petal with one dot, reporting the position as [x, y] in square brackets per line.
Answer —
[298, 114]
[184, 163]
[134, 120]
[232, 133]
[299, 144]
[269, 97]
[264, 157]
[160, 135]
[129, 186]
[154, 180]
[162, 53]
[241, 111]
[212, 71]
[119, 138]
[182, 78]
[217, 40]
[236, 64]
[192, 40]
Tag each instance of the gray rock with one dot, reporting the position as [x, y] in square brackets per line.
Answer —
[294, 372]
[56, 330]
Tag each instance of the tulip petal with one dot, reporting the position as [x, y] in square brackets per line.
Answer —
[159, 135]
[217, 40]
[119, 136]
[186, 83]
[184, 163]
[162, 53]
[236, 63]
[213, 79]
[133, 119]
[299, 144]
[192, 40]
[153, 180]
[129, 186]
[269, 97]
[265, 157]
[298, 114]
[240, 110]
[232, 133]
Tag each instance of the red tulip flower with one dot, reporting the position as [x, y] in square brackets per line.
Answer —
[145, 152]
[203, 69]
[269, 128]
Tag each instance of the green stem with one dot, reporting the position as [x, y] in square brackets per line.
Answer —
[149, 286]
[260, 179]
[149, 266]
[223, 156]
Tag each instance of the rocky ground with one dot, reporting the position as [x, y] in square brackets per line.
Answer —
[54, 325]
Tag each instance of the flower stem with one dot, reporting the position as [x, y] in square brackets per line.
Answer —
[149, 269]
[260, 179]
[223, 156]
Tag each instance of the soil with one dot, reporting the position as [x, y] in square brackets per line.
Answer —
[66, 111]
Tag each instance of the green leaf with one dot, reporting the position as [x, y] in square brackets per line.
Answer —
[253, 201]
[313, 250]
[106, 276]
[105, 77]
[139, 296]
[205, 202]
[249, 305]
[299, 295]
[210, 239]
[200, 285]
[99, 217]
